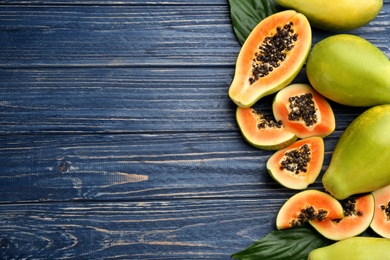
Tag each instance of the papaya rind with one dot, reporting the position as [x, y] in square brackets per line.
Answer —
[360, 160]
[356, 248]
[338, 15]
[349, 70]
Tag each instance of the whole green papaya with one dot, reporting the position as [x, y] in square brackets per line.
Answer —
[361, 158]
[349, 70]
[356, 248]
[336, 15]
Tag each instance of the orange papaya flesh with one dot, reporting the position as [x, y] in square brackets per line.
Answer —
[381, 221]
[263, 66]
[298, 165]
[308, 205]
[261, 131]
[358, 214]
[304, 111]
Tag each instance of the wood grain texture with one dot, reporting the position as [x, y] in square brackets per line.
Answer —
[165, 229]
[117, 136]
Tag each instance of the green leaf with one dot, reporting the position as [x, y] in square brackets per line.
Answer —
[246, 14]
[286, 244]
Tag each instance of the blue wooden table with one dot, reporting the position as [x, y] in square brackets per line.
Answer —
[118, 139]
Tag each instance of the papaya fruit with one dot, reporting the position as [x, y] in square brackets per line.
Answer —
[381, 221]
[261, 131]
[336, 15]
[303, 111]
[299, 164]
[358, 214]
[360, 160]
[271, 57]
[356, 248]
[308, 205]
[349, 70]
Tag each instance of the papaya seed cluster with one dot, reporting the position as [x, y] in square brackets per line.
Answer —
[308, 213]
[265, 122]
[386, 210]
[296, 160]
[303, 108]
[349, 207]
[273, 51]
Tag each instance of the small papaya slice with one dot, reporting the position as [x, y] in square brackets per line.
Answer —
[261, 131]
[304, 111]
[358, 214]
[381, 222]
[271, 57]
[308, 205]
[299, 164]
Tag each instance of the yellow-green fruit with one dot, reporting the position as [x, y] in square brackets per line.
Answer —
[349, 70]
[336, 15]
[361, 158]
[355, 248]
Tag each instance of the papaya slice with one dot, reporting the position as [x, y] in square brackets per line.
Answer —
[308, 205]
[261, 131]
[299, 164]
[381, 221]
[304, 111]
[271, 57]
[358, 214]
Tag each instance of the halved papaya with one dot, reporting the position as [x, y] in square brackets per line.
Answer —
[308, 205]
[381, 221]
[299, 164]
[358, 214]
[261, 131]
[304, 111]
[271, 57]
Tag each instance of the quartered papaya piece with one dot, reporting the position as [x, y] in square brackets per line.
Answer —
[308, 205]
[304, 111]
[261, 131]
[358, 214]
[271, 57]
[299, 164]
[381, 221]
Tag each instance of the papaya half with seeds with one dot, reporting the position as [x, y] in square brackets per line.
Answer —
[299, 164]
[261, 131]
[356, 248]
[349, 70]
[271, 57]
[336, 15]
[358, 214]
[303, 111]
[308, 205]
[360, 160]
[381, 222]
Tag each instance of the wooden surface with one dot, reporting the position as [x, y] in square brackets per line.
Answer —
[118, 139]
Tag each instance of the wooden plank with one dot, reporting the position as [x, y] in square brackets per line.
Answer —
[136, 167]
[115, 2]
[165, 229]
[120, 36]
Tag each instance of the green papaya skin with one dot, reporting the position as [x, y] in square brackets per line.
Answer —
[336, 15]
[356, 248]
[360, 161]
[349, 70]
